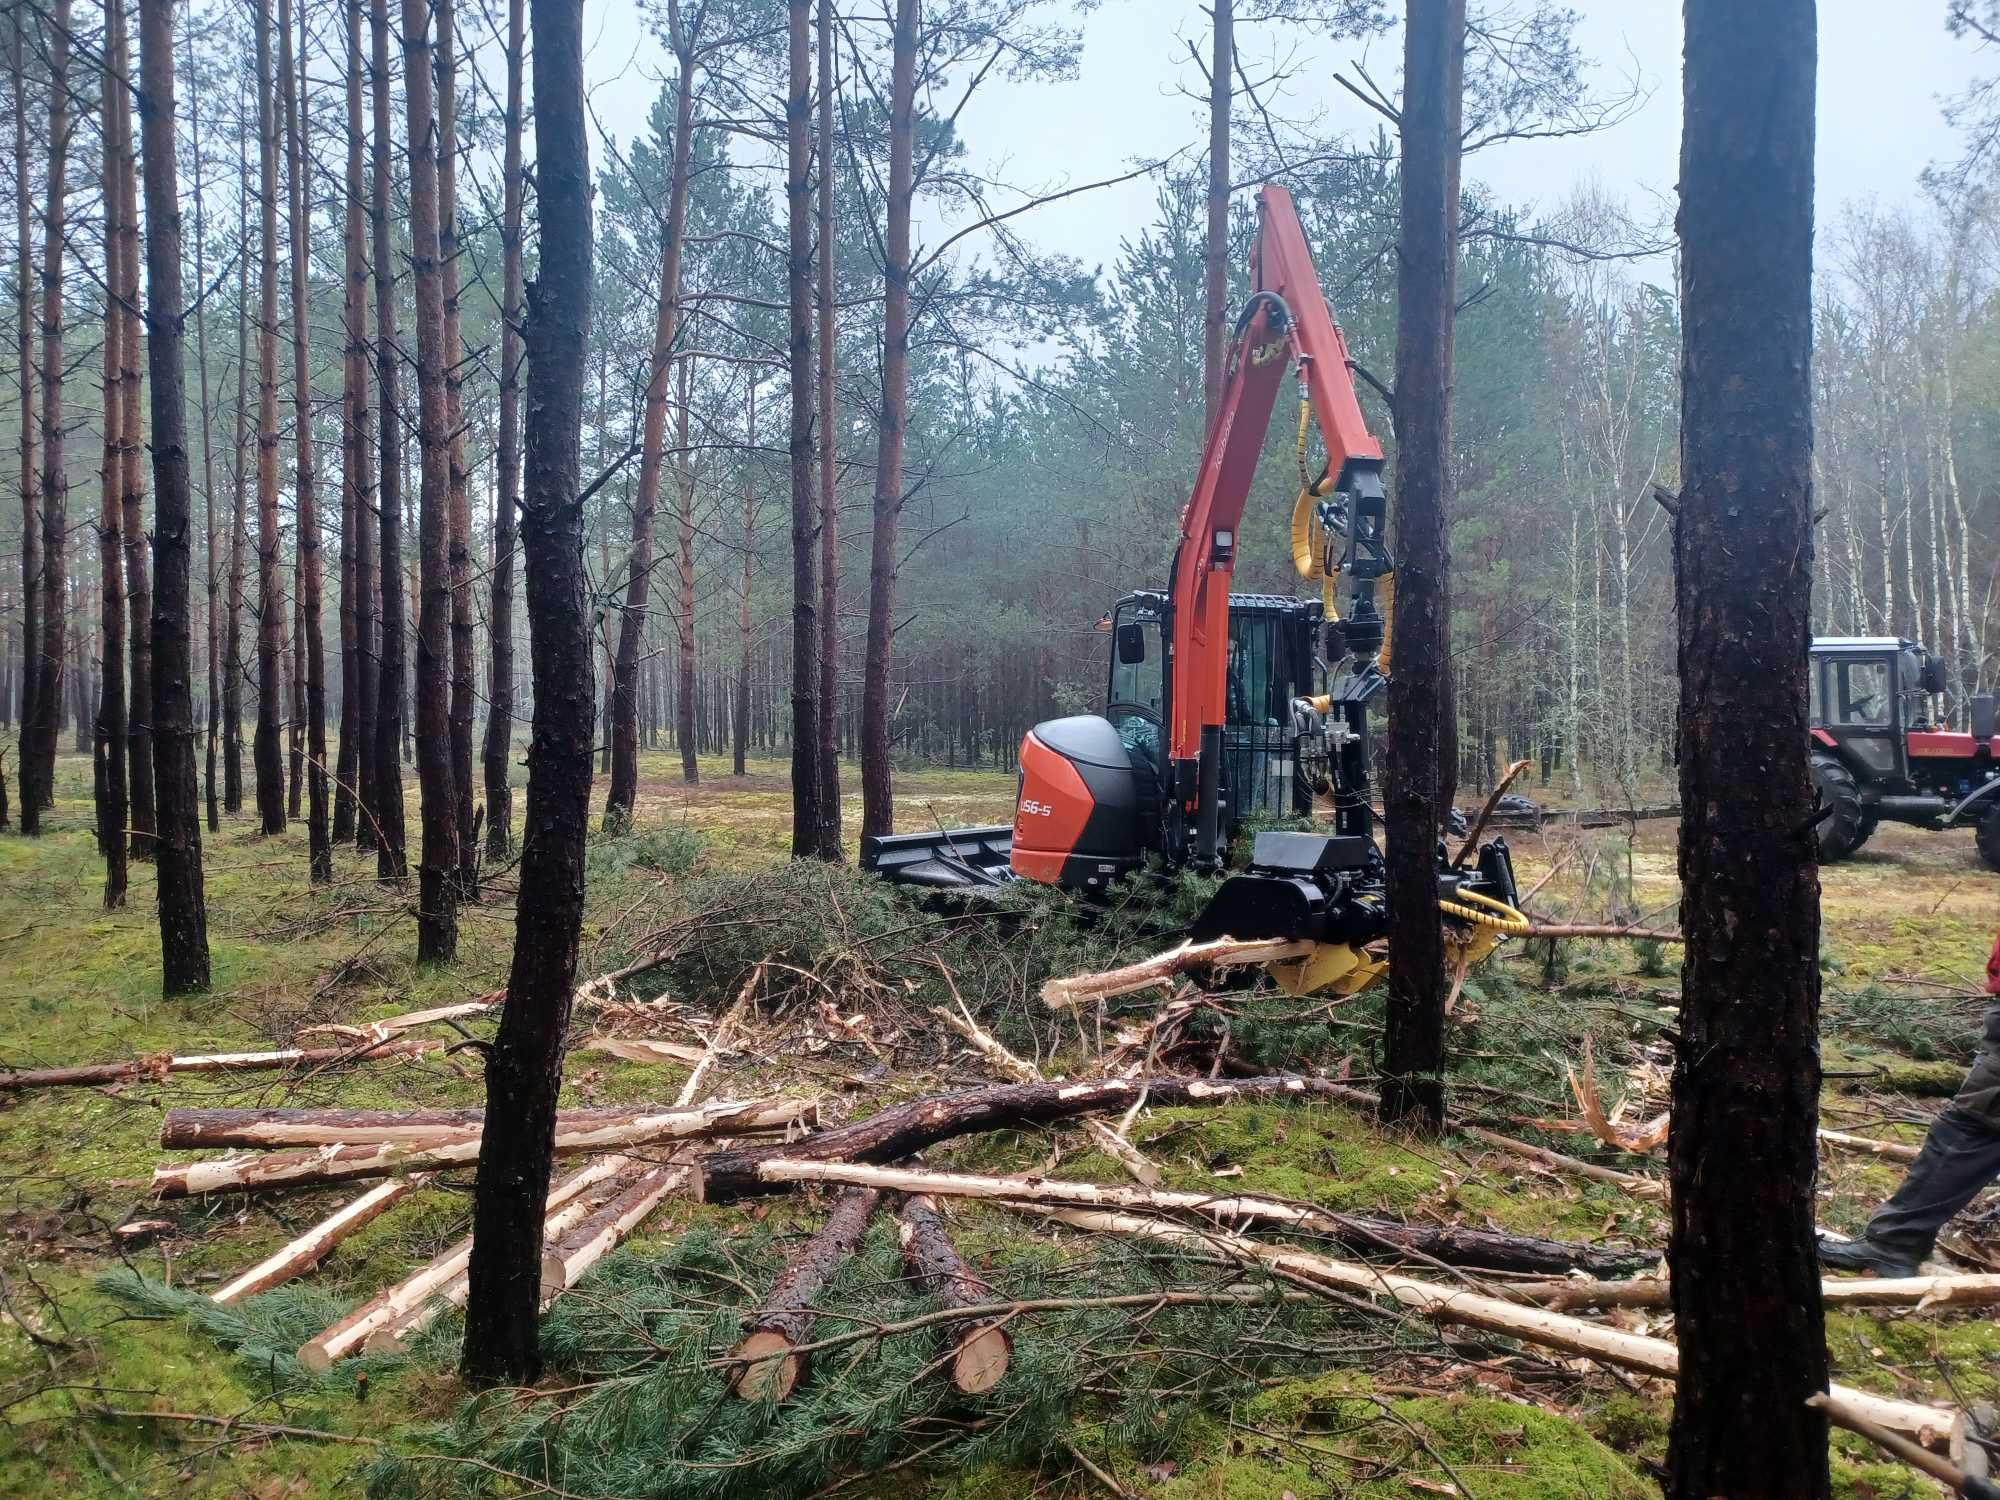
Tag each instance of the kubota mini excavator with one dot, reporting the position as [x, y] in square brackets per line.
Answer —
[1214, 701]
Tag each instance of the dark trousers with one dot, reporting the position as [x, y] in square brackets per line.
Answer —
[1961, 1155]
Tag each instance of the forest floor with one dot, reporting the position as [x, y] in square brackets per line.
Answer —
[117, 1376]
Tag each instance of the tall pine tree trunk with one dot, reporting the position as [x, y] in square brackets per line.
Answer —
[1747, 1311]
[306, 489]
[807, 776]
[437, 863]
[500, 613]
[357, 475]
[1215, 248]
[652, 453]
[232, 690]
[458, 542]
[177, 850]
[211, 578]
[31, 479]
[1421, 763]
[878, 808]
[687, 731]
[740, 728]
[524, 1070]
[39, 789]
[268, 752]
[391, 858]
[109, 752]
[827, 841]
[132, 480]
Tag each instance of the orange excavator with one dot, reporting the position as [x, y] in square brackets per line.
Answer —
[1221, 707]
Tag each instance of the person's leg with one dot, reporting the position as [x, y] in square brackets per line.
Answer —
[1960, 1156]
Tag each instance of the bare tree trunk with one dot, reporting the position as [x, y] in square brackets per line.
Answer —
[31, 507]
[524, 1070]
[740, 730]
[210, 575]
[357, 478]
[1215, 250]
[391, 860]
[312, 647]
[1421, 762]
[458, 545]
[109, 759]
[828, 836]
[808, 786]
[268, 747]
[39, 790]
[500, 616]
[652, 452]
[132, 483]
[232, 690]
[878, 806]
[437, 867]
[1747, 1309]
[688, 731]
[177, 849]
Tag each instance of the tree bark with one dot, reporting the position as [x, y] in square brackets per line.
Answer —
[652, 452]
[262, 1129]
[687, 702]
[90, 1075]
[828, 838]
[1747, 1312]
[903, 1129]
[458, 540]
[183, 910]
[110, 750]
[808, 772]
[1215, 247]
[524, 1070]
[437, 865]
[268, 752]
[300, 1255]
[30, 480]
[1421, 759]
[210, 575]
[878, 806]
[391, 858]
[141, 818]
[357, 475]
[982, 1347]
[39, 781]
[740, 727]
[234, 677]
[771, 1368]
[319, 846]
[500, 612]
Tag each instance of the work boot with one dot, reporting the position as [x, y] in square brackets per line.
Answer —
[1961, 1155]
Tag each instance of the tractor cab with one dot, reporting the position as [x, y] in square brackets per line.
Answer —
[1878, 752]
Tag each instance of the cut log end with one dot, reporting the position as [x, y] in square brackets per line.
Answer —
[982, 1359]
[316, 1357]
[554, 1281]
[770, 1369]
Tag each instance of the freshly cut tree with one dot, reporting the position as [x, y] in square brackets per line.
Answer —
[524, 1070]
[177, 853]
[1746, 1294]
[1420, 760]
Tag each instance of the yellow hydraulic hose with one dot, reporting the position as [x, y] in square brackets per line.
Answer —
[1499, 916]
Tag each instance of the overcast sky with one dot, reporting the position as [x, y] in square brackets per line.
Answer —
[1884, 68]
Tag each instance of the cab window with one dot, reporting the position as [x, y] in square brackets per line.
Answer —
[1253, 671]
[1863, 694]
[1137, 682]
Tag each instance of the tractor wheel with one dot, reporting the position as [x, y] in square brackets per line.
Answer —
[1847, 826]
[1989, 837]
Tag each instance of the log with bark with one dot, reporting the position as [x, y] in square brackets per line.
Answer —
[1485, 1249]
[770, 1367]
[1919, 1293]
[1220, 953]
[92, 1075]
[564, 1260]
[212, 1129]
[343, 1163]
[1451, 1304]
[982, 1347]
[905, 1129]
[397, 1303]
[310, 1248]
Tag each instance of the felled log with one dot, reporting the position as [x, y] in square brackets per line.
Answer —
[1486, 1249]
[394, 1026]
[1603, 930]
[249, 1174]
[1219, 953]
[1471, 845]
[1929, 1425]
[1888, 1150]
[983, 1346]
[1017, 1068]
[92, 1075]
[310, 1248]
[905, 1129]
[1844, 1413]
[342, 1338]
[566, 1258]
[770, 1365]
[1918, 1292]
[216, 1129]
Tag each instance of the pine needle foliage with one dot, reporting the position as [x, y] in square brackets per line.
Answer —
[645, 1338]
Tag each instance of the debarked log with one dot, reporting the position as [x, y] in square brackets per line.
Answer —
[906, 1129]
[246, 1174]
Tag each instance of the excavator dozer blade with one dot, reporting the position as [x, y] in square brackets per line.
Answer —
[948, 859]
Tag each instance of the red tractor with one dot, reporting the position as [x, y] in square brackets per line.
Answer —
[1877, 754]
